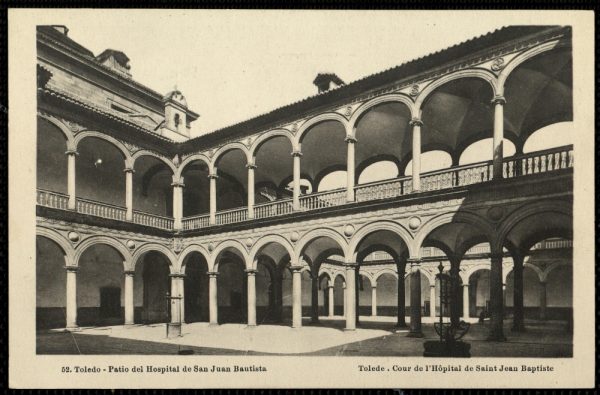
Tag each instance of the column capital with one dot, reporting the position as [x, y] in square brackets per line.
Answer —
[496, 255]
[129, 170]
[465, 285]
[71, 152]
[351, 265]
[432, 286]
[129, 272]
[350, 139]
[251, 272]
[177, 183]
[72, 269]
[251, 166]
[212, 176]
[296, 268]
[177, 275]
[212, 274]
[296, 154]
[415, 122]
[499, 99]
[413, 261]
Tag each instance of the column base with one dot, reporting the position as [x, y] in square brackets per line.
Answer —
[72, 329]
[415, 334]
[212, 324]
[129, 324]
[250, 326]
[349, 329]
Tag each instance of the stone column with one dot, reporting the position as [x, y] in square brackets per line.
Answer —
[415, 299]
[350, 301]
[542, 300]
[350, 166]
[128, 299]
[296, 192]
[213, 197]
[331, 301]
[296, 296]
[177, 203]
[454, 288]
[176, 294]
[401, 297]
[416, 153]
[129, 194]
[374, 301]
[498, 103]
[432, 301]
[496, 305]
[344, 299]
[465, 301]
[212, 298]
[251, 167]
[71, 300]
[518, 322]
[251, 296]
[314, 298]
[72, 203]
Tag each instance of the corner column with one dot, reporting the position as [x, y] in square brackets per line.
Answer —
[72, 203]
[350, 302]
[177, 297]
[518, 322]
[542, 300]
[416, 153]
[415, 299]
[212, 298]
[496, 305]
[432, 301]
[71, 314]
[466, 301]
[498, 138]
[129, 193]
[213, 197]
[251, 167]
[296, 193]
[177, 202]
[251, 296]
[296, 296]
[350, 167]
[374, 301]
[331, 301]
[128, 298]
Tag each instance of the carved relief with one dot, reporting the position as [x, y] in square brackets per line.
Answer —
[497, 64]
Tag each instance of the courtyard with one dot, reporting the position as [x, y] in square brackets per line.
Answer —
[376, 336]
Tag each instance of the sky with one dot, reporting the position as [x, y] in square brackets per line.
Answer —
[234, 65]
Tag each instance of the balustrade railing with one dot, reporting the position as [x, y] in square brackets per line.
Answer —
[156, 221]
[103, 210]
[52, 199]
[323, 199]
[196, 222]
[532, 163]
[273, 209]
[231, 216]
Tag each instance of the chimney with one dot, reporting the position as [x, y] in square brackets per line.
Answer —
[61, 29]
[116, 60]
[327, 81]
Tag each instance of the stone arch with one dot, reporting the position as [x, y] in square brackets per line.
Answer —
[375, 226]
[325, 271]
[320, 232]
[337, 274]
[263, 138]
[519, 214]
[480, 73]
[536, 269]
[66, 131]
[367, 274]
[263, 241]
[119, 145]
[155, 247]
[236, 245]
[550, 268]
[387, 270]
[447, 218]
[226, 148]
[60, 240]
[329, 116]
[161, 158]
[90, 241]
[389, 98]
[472, 269]
[523, 57]
[188, 250]
[190, 159]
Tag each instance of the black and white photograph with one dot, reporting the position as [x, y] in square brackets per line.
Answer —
[367, 186]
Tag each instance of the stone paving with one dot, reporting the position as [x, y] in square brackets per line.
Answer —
[376, 336]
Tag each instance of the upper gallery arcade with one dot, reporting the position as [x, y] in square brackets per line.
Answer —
[115, 154]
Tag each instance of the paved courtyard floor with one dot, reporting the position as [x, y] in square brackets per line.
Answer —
[375, 336]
